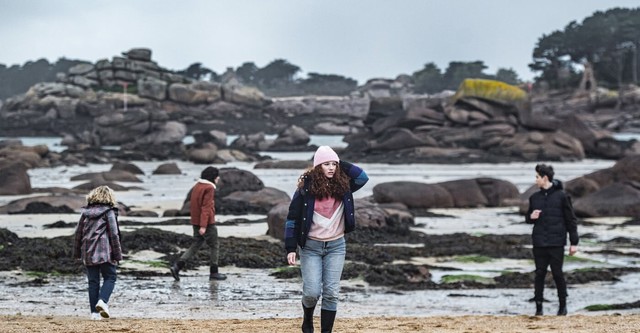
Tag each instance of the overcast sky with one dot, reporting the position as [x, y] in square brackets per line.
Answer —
[358, 39]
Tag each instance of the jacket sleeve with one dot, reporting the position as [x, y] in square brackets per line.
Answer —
[358, 178]
[293, 224]
[208, 209]
[77, 244]
[527, 216]
[114, 236]
[570, 220]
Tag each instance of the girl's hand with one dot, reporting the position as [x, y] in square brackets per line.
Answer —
[291, 258]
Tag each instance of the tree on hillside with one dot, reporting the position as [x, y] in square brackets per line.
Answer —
[431, 80]
[507, 75]
[277, 72]
[18, 79]
[607, 40]
[247, 73]
[327, 84]
[196, 71]
[428, 80]
[458, 71]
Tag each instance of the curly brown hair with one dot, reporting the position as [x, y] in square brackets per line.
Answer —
[323, 187]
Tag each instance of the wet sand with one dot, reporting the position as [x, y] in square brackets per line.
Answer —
[476, 324]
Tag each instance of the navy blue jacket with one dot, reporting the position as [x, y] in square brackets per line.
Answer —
[556, 219]
[300, 216]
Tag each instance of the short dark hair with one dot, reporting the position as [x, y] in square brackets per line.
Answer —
[210, 174]
[545, 170]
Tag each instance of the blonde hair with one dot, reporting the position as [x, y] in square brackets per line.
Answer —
[102, 195]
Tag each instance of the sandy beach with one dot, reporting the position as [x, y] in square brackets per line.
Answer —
[477, 324]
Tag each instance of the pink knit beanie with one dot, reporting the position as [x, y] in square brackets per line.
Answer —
[324, 154]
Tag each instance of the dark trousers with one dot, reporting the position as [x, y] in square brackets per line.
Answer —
[210, 237]
[96, 292]
[545, 257]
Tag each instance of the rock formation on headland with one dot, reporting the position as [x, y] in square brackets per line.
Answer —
[147, 110]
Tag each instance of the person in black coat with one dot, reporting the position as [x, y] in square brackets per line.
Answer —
[551, 213]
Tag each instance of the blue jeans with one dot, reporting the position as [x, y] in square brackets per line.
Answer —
[321, 265]
[96, 292]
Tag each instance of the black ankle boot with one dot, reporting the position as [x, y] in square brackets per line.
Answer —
[307, 322]
[214, 275]
[327, 318]
[175, 269]
[562, 309]
[538, 308]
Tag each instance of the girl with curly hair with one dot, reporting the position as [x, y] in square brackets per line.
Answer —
[320, 213]
[97, 243]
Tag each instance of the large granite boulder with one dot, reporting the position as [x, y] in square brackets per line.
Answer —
[117, 175]
[253, 202]
[618, 199]
[464, 193]
[413, 194]
[14, 179]
[74, 202]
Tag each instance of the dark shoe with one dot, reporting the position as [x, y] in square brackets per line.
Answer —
[175, 269]
[538, 308]
[307, 323]
[326, 320]
[214, 275]
[217, 277]
[562, 310]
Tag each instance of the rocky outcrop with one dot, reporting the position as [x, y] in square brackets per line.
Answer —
[276, 164]
[14, 179]
[256, 202]
[12, 151]
[613, 191]
[129, 167]
[167, 169]
[125, 100]
[465, 193]
[133, 102]
[484, 121]
[73, 202]
[617, 199]
[111, 175]
[321, 114]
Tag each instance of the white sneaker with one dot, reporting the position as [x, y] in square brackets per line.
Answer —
[95, 316]
[103, 309]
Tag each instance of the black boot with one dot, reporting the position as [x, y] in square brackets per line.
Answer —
[538, 308]
[562, 310]
[175, 269]
[327, 318]
[307, 322]
[214, 275]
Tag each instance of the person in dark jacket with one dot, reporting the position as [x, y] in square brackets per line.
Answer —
[97, 243]
[320, 213]
[202, 210]
[551, 213]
